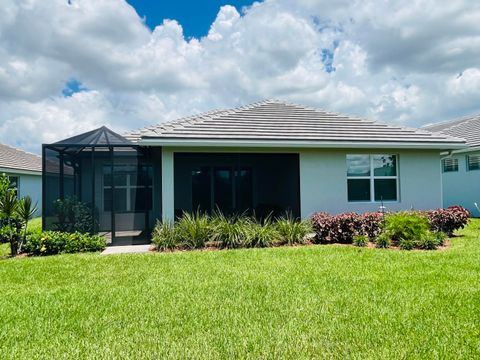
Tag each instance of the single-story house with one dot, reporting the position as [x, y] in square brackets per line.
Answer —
[24, 171]
[268, 157]
[461, 167]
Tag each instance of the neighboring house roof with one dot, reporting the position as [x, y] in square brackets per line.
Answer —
[466, 128]
[16, 160]
[278, 122]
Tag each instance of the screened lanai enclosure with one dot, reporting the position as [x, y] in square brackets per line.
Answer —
[99, 182]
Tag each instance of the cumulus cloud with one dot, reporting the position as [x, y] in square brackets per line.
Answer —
[412, 64]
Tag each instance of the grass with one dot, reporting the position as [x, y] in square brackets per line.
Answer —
[34, 225]
[290, 302]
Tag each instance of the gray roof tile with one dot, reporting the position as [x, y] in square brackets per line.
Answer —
[276, 120]
[466, 128]
[16, 159]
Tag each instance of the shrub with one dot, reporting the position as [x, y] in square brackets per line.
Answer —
[337, 228]
[193, 230]
[164, 236]
[56, 242]
[371, 224]
[407, 226]
[383, 241]
[431, 241]
[261, 235]
[448, 220]
[408, 244]
[360, 240]
[292, 231]
[229, 232]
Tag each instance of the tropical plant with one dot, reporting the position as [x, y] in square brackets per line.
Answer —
[164, 236]
[25, 210]
[261, 234]
[193, 229]
[293, 231]
[10, 221]
[229, 232]
[360, 240]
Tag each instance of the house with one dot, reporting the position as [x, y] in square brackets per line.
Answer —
[24, 171]
[266, 158]
[461, 167]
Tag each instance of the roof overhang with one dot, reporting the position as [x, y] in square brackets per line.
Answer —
[5, 170]
[179, 142]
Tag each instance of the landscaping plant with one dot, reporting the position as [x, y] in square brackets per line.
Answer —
[448, 220]
[360, 240]
[193, 230]
[164, 236]
[57, 242]
[293, 231]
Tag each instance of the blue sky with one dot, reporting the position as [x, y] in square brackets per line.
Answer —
[195, 16]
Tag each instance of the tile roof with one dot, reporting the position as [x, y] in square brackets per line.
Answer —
[16, 159]
[276, 120]
[466, 128]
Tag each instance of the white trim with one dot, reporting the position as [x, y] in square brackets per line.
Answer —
[14, 172]
[299, 144]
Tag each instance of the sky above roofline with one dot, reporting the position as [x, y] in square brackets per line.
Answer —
[69, 66]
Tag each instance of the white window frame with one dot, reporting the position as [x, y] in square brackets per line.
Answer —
[372, 178]
[468, 162]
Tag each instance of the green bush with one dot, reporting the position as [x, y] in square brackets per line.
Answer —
[261, 235]
[56, 242]
[360, 240]
[230, 232]
[164, 236]
[407, 244]
[193, 230]
[292, 231]
[406, 227]
[383, 241]
[431, 241]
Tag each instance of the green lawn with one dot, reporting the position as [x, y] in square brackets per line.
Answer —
[297, 302]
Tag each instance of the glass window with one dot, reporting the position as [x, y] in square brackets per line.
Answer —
[132, 183]
[385, 189]
[243, 190]
[358, 189]
[450, 165]
[473, 162]
[223, 189]
[384, 165]
[201, 189]
[13, 182]
[358, 165]
[372, 176]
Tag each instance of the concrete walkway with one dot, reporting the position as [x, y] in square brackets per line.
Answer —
[126, 249]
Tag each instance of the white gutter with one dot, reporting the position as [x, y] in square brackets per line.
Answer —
[11, 171]
[296, 144]
[461, 151]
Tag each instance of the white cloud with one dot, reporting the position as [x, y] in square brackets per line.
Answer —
[390, 61]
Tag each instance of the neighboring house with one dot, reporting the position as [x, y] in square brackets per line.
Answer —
[268, 157]
[461, 167]
[24, 171]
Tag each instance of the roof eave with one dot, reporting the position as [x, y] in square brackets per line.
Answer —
[298, 143]
[8, 170]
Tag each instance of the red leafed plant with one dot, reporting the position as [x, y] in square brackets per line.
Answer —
[448, 220]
